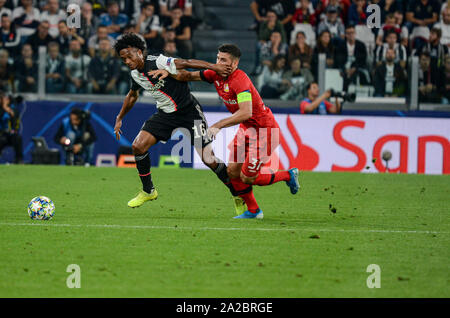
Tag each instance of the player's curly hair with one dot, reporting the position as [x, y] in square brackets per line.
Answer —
[129, 40]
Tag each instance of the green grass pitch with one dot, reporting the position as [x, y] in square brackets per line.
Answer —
[186, 244]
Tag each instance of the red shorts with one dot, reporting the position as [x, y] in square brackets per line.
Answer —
[253, 147]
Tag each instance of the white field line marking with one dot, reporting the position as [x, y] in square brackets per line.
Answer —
[158, 227]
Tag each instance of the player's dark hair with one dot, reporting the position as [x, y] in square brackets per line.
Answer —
[231, 49]
[129, 40]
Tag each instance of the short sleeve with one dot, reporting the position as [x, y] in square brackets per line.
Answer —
[166, 63]
[208, 76]
[303, 105]
[134, 86]
[240, 83]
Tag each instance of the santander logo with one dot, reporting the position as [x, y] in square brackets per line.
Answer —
[306, 158]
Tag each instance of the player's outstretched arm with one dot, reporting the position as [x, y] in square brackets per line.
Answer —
[182, 75]
[128, 103]
[220, 69]
[243, 113]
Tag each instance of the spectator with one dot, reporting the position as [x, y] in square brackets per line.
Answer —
[357, 12]
[301, 50]
[444, 25]
[9, 127]
[149, 26]
[391, 43]
[40, 38]
[26, 71]
[102, 34]
[444, 7]
[315, 104]
[183, 32]
[104, 70]
[284, 9]
[389, 7]
[98, 7]
[89, 22]
[390, 25]
[270, 25]
[53, 15]
[65, 36]
[272, 84]
[299, 77]
[113, 19]
[166, 7]
[422, 12]
[445, 82]
[398, 15]
[26, 18]
[55, 70]
[6, 72]
[428, 80]
[333, 24]
[342, 7]
[4, 10]
[271, 49]
[170, 49]
[421, 15]
[325, 46]
[437, 51]
[352, 59]
[77, 65]
[390, 77]
[305, 13]
[77, 137]
[10, 39]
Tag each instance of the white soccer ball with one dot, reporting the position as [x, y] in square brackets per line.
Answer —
[41, 208]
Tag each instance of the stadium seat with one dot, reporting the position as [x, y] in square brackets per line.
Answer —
[105, 160]
[309, 33]
[126, 161]
[420, 32]
[365, 35]
[334, 80]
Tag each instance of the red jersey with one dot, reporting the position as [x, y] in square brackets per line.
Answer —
[228, 89]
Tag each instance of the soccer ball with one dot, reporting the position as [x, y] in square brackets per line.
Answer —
[41, 208]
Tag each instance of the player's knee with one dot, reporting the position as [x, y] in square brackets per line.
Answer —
[232, 173]
[137, 148]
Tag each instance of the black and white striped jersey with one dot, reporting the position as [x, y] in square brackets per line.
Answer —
[170, 94]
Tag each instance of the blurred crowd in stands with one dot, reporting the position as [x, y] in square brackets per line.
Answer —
[292, 33]
[81, 60]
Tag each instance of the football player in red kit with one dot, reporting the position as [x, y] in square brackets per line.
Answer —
[258, 132]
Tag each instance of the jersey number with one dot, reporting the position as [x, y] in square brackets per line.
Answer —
[199, 130]
[255, 165]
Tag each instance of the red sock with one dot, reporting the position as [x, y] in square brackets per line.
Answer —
[267, 179]
[246, 193]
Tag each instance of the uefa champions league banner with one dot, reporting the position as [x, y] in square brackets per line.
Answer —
[352, 143]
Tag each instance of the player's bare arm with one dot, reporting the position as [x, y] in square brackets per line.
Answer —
[128, 103]
[182, 75]
[221, 69]
[244, 113]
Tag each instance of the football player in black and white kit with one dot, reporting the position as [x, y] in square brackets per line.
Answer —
[177, 108]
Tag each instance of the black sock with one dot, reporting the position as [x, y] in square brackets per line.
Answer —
[222, 174]
[143, 166]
